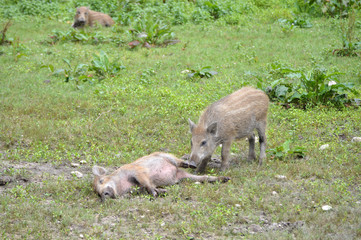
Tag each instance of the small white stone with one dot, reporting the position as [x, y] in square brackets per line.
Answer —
[330, 83]
[197, 183]
[142, 35]
[323, 147]
[274, 193]
[81, 235]
[326, 207]
[185, 71]
[75, 164]
[358, 202]
[356, 139]
[77, 174]
[82, 162]
[281, 177]
[162, 224]
[237, 205]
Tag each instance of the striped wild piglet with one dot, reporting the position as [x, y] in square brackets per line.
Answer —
[149, 173]
[86, 17]
[232, 117]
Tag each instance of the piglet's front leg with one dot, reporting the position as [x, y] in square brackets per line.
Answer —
[144, 181]
[186, 164]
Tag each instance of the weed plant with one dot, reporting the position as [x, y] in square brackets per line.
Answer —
[349, 45]
[206, 72]
[3, 38]
[151, 32]
[318, 86]
[82, 36]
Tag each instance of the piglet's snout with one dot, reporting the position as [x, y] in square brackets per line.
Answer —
[81, 20]
[107, 193]
[193, 160]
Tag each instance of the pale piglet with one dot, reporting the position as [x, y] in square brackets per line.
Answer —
[149, 172]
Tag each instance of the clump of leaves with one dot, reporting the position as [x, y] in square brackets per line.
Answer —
[83, 36]
[305, 7]
[43, 8]
[76, 74]
[348, 49]
[103, 67]
[335, 8]
[100, 68]
[300, 21]
[286, 27]
[206, 72]
[285, 150]
[214, 8]
[301, 88]
[147, 32]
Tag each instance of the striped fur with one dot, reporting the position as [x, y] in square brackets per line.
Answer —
[232, 117]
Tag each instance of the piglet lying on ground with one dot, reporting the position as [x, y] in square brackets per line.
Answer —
[86, 17]
[149, 172]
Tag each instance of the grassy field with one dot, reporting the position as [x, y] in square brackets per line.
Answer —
[46, 124]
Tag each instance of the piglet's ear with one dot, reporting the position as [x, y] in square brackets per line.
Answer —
[99, 171]
[191, 125]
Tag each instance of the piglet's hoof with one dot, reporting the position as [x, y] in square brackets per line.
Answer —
[161, 192]
[186, 164]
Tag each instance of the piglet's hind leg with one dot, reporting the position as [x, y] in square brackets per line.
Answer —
[199, 178]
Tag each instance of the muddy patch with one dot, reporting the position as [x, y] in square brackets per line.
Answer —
[255, 228]
[22, 173]
[246, 227]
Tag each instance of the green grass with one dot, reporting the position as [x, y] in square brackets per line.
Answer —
[145, 108]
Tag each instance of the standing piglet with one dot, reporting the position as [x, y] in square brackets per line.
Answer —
[86, 17]
[149, 172]
[232, 117]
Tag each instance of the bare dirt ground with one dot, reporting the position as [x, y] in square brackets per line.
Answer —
[22, 173]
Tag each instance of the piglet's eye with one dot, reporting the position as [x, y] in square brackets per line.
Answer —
[101, 181]
[86, 13]
[203, 143]
[78, 12]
